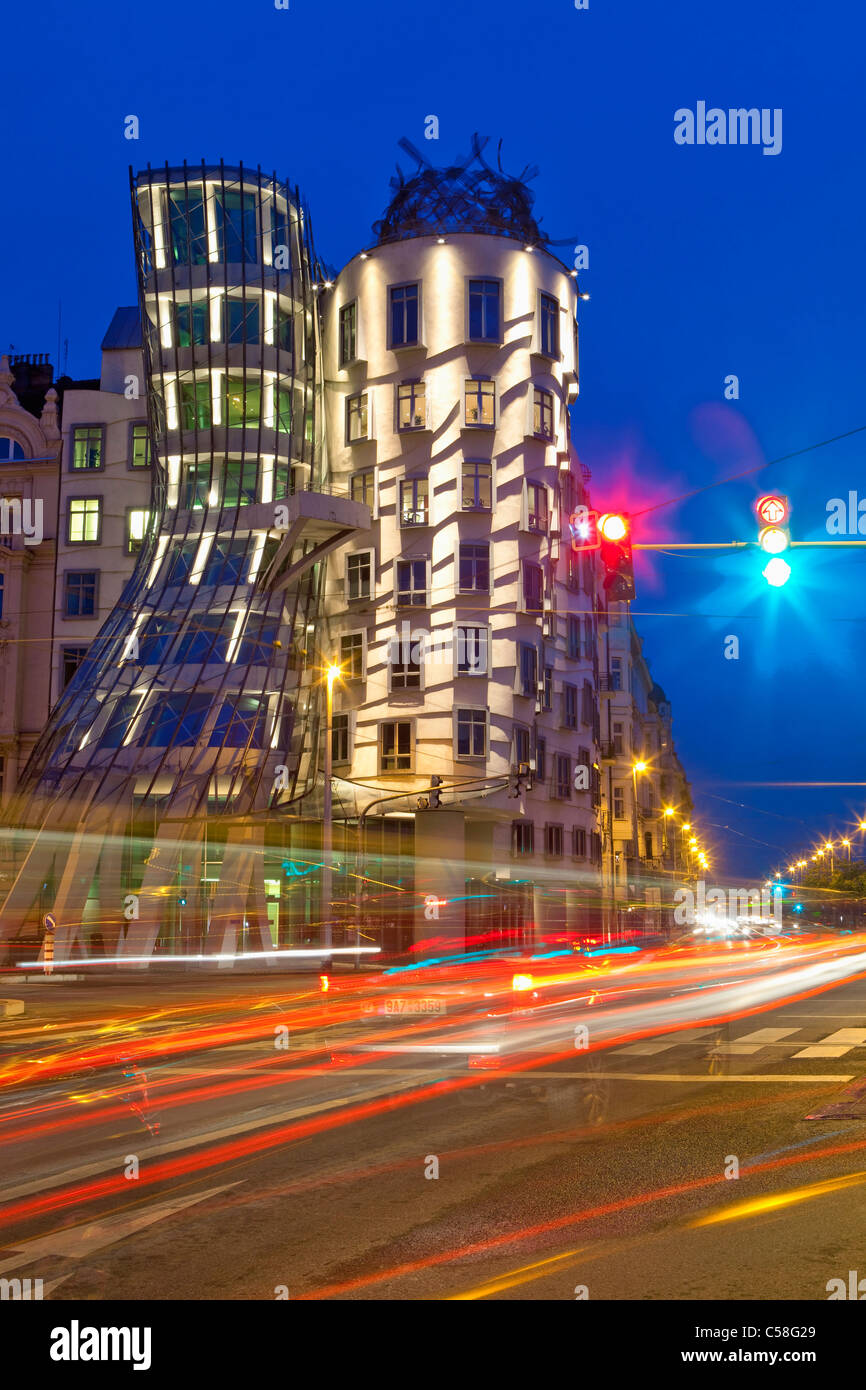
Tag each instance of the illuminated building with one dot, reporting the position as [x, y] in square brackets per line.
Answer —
[142, 814]
[464, 622]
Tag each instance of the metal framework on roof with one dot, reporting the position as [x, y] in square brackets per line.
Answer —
[469, 196]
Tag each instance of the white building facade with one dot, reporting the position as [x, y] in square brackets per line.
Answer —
[464, 623]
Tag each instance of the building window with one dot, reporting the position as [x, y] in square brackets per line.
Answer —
[562, 777]
[533, 587]
[79, 593]
[522, 837]
[477, 485]
[362, 487]
[484, 312]
[236, 226]
[241, 320]
[587, 704]
[553, 841]
[241, 482]
[542, 413]
[86, 447]
[136, 529]
[84, 521]
[472, 650]
[573, 649]
[411, 405]
[139, 446]
[348, 333]
[480, 402]
[404, 664]
[285, 331]
[588, 638]
[616, 682]
[569, 706]
[341, 738]
[359, 574]
[549, 325]
[352, 656]
[242, 401]
[196, 486]
[191, 323]
[414, 502]
[572, 571]
[527, 669]
[196, 410]
[157, 636]
[72, 659]
[395, 746]
[205, 640]
[536, 508]
[240, 723]
[619, 803]
[411, 584]
[474, 567]
[547, 688]
[225, 562]
[403, 301]
[10, 449]
[470, 739]
[188, 228]
[521, 744]
[356, 418]
[578, 842]
[618, 739]
[541, 758]
[180, 562]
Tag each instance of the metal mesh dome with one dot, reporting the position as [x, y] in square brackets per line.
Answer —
[468, 196]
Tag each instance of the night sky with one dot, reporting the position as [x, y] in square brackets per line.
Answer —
[703, 261]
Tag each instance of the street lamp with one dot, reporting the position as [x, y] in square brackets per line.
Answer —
[847, 844]
[332, 674]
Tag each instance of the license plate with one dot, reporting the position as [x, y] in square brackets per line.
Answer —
[412, 1008]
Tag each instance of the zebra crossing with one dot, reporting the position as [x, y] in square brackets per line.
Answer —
[788, 1042]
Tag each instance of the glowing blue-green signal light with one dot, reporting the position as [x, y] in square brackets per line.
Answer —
[777, 572]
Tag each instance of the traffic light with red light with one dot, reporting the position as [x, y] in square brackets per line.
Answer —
[614, 530]
[773, 511]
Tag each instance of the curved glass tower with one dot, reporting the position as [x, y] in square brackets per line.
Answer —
[195, 717]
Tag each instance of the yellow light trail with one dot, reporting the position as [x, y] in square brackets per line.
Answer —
[757, 1206]
[524, 1275]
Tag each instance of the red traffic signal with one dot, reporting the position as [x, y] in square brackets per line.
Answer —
[773, 509]
[614, 529]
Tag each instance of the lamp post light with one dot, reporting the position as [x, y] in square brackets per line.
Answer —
[332, 674]
[829, 848]
[847, 844]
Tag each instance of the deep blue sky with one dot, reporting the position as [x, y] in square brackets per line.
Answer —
[704, 261]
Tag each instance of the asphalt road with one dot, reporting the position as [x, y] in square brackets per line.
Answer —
[320, 1182]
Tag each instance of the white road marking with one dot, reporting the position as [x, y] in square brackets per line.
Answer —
[820, 1051]
[762, 1035]
[645, 1049]
[854, 1037]
[78, 1242]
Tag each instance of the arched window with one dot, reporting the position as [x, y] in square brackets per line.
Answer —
[10, 449]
